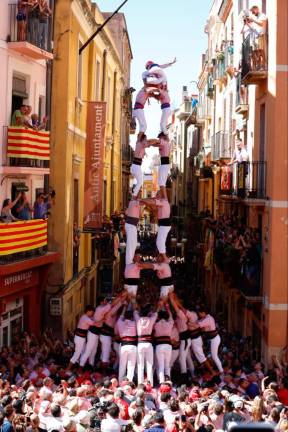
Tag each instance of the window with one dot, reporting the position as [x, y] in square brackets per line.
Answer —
[79, 72]
[108, 98]
[41, 107]
[76, 201]
[97, 81]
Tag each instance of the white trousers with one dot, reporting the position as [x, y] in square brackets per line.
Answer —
[106, 342]
[164, 119]
[163, 173]
[131, 242]
[138, 174]
[189, 362]
[197, 348]
[145, 359]
[131, 289]
[214, 345]
[140, 116]
[161, 238]
[166, 290]
[183, 352]
[128, 355]
[79, 348]
[174, 357]
[90, 349]
[163, 355]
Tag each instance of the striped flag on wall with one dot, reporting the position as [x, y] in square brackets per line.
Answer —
[28, 143]
[22, 236]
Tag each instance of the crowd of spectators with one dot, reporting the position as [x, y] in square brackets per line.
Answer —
[236, 250]
[39, 393]
[21, 209]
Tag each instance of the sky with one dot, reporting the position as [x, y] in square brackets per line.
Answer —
[160, 30]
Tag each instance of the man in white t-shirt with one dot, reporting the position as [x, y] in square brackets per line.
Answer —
[240, 153]
[112, 422]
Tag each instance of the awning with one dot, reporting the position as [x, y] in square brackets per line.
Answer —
[28, 143]
[22, 236]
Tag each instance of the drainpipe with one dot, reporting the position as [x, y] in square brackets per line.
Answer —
[49, 70]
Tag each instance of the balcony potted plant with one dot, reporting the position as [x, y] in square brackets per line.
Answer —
[220, 55]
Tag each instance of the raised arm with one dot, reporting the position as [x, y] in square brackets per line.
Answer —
[166, 65]
[12, 203]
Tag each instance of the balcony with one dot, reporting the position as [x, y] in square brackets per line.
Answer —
[200, 114]
[246, 180]
[210, 86]
[254, 60]
[22, 240]
[35, 42]
[27, 147]
[185, 110]
[127, 154]
[242, 106]
[220, 143]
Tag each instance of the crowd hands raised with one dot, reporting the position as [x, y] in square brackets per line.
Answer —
[39, 393]
[21, 209]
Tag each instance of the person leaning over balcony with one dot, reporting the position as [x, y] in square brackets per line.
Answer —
[41, 206]
[259, 23]
[21, 18]
[18, 117]
[45, 13]
[23, 209]
[6, 214]
[240, 153]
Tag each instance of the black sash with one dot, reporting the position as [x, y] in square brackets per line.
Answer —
[168, 281]
[107, 330]
[163, 340]
[137, 161]
[164, 222]
[131, 281]
[81, 332]
[194, 334]
[165, 160]
[210, 334]
[95, 330]
[176, 347]
[132, 220]
[129, 340]
[145, 338]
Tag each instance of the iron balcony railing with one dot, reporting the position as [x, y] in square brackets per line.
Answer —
[37, 32]
[220, 144]
[254, 59]
[244, 180]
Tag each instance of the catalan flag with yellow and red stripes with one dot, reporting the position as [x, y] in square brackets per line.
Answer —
[22, 236]
[28, 143]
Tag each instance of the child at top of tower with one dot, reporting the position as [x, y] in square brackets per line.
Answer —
[155, 85]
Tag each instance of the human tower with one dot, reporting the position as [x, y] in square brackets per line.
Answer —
[152, 337]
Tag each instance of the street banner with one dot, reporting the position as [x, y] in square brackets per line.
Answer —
[94, 161]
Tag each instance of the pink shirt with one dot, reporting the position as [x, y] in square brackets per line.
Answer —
[164, 147]
[163, 327]
[99, 313]
[140, 148]
[126, 327]
[208, 322]
[133, 209]
[85, 322]
[163, 208]
[132, 271]
[174, 334]
[163, 270]
[144, 324]
[111, 319]
[181, 321]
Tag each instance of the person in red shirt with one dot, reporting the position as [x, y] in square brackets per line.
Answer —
[122, 404]
[283, 392]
